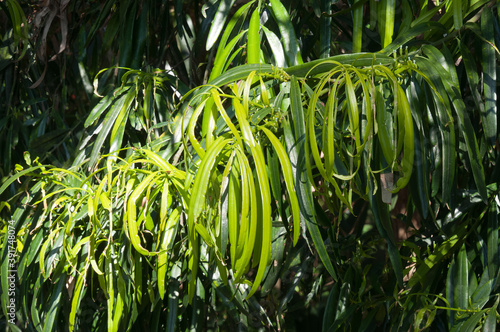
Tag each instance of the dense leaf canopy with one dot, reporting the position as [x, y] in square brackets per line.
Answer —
[264, 164]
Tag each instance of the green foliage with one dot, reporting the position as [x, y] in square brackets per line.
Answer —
[286, 165]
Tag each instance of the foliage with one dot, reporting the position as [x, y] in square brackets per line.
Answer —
[254, 165]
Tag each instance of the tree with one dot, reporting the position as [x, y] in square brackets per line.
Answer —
[249, 165]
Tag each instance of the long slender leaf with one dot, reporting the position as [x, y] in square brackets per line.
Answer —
[492, 242]
[357, 28]
[133, 228]
[489, 115]
[437, 256]
[491, 320]
[445, 124]
[197, 202]
[253, 48]
[462, 279]
[109, 121]
[325, 28]
[218, 22]
[386, 19]
[465, 125]
[287, 31]
[287, 174]
[54, 306]
[278, 53]
[295, 145]
[78, 291]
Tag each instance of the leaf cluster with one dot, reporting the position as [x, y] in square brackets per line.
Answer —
[255, 165]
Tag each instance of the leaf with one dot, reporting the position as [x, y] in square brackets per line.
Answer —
[110, 289]
[492, 241]
[385, 128]
[54, 306]
[163, 165]
[490, 324]
[248, 230]
[201, 181]
[236, 201]
[218, 22]
[166, 201]
[430, 311]
[222, 111]
[121, 106]
[138, 277]
[287, 31]
[325, 28]
[278, 53]
[16, 176]
[295, 146]
[42, 263]
[92, 250]
[312, 143]
[221, 60]
[472, 77]
[103, 105]
[445, 124]
[167, 244]
[482, 294]
[133, 228]
[126, 35]
[386, 18]
[465, 125]
[78, 292]
[32, 246]
[439, 253]
[19, 25]
[265, 194]
[382, 221]
[209, 123]
[320, 66]
[103, 14]
[253, 44]
[36, 303]
[418, 27]
[173, 295]
[222, 230]
[344, 309]
[357, 28]
[461, 290]
[470, 324]
[119, 309]
[141, 35]
[457, 14]
[420, 185]
[288, 176]
[489, 64]
[197, 305]
[197, 203]
[273, 271]
[273, 167]
[331, 307]
[224, 48]
[409, 139]
[106, 203]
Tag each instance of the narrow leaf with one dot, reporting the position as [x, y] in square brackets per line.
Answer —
[489, 64]
[287, 31]
[253, 46]
[218, 22]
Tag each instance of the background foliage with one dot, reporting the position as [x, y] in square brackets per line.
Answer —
[246, 165]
